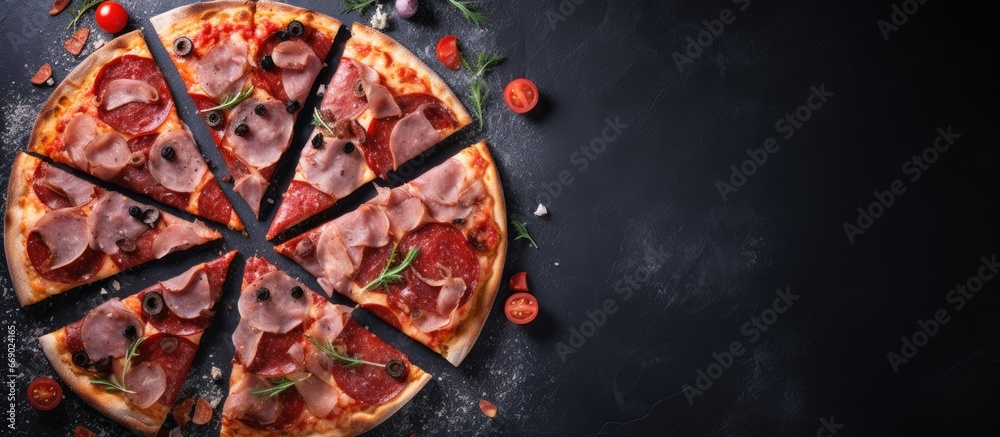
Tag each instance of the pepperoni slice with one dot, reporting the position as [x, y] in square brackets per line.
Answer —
[134, 118]
[143, 251]
[371, 385]
[80, 270]
[376, 148]
[292, 405]
[301, 201]
[272, 359]
[74, 336]
[176, 362]
[46, 195]
[444, 250]
[213, 203]
[270, 80]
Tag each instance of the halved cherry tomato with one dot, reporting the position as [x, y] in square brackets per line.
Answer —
[519, 282]
[521, 308]
[44, 394]
[447, 52]
[111, 16]
[521, 95]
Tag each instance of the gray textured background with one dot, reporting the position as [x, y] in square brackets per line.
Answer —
[652, 190]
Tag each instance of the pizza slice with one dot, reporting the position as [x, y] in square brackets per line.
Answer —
[249, 67]
[114, 118]
[61, 231]
[303, 368]
[426, 257]
[382, 108]
[128, 358]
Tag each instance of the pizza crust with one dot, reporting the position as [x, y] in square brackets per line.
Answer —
[146, 422]
[15, 227]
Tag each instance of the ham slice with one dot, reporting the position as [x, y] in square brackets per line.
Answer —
[447, 302]
[103, 330]
[297, 83]
[251, 187]
[74, 189]
[242, 403]
[320, 398]
[319, 365]
[268, 135]
[446, 192]
[332, 171]
[184, 171]
[80, 131]
[106, 155]
[329, 322]
[337, 262]
[110, 222]
[292, 54]
[246, 340]
[380, 101]
[148, 381]
[366, 226]
[120, 92]
[280, 312]
[180, 235]
[64, 232]
[188, 295]
[405, 213]
[411, 136]
[220, 72]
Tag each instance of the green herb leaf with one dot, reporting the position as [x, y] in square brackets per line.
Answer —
[484, 64]
[327, 348]
[390, 274]
[357, 5]
[470, 10]
[78, 13]
[111, 383]
[318, 121]
[231, 100]
[522, 232]
[478, 95]
[280, 385]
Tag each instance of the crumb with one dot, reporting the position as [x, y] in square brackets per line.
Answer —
[104, 291]
[270, 200]
[380, 20]
[117, 285]
[541, 211]
[488, 408]
[216, 374]
[227, 179]
[99, 43]
[556, 264]
[321, 90]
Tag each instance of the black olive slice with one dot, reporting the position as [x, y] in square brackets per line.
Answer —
[395, 368]
[260, 109]
[267, 63]
[150, 216]
[168, 153]
[348, 147]
[292, 105]
[263, 293]
[214, 118]
[296, 29]
[81, 359]
[183, 46]
[317, 141]
[297, 292]
[152, 303]
[130, 332]
[241, 129]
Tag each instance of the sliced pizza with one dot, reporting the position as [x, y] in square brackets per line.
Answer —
[426, 257]
[304, 368]
[249, 67]
[382, 108]
[61, 231]
[128, 358]
[114, 118]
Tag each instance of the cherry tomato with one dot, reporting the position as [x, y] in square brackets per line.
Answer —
[111, 16]
[521, 308]
[521, 95]
[447, 52]
[44, 394]
[519, 282]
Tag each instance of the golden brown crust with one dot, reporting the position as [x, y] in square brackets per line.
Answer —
[146, 422]
[14, 223]
[363, 37]
[284, 13]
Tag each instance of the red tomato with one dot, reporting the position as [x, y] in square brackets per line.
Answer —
[447, 52]
[519, 282]
[111, 16]
[521, 308]
[44, 394]
[521, 95]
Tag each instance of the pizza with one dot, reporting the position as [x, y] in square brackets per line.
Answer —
[382, 108]
[303, 367]
[61, 231]
[114, 118]
[425, 257]
[128, 358]
[249, 67]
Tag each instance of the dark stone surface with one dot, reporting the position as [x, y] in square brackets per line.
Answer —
[638, 225]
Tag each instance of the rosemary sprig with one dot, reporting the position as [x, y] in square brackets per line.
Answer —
[112, 384]
[470, 10]
[357, 5]
[522, 232]
[231, 100]
[78, 13]
[390, 274]
[318, 121]
[327, 348]
[280, 385]
[483, 64]
[478, 95]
